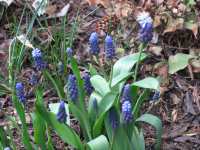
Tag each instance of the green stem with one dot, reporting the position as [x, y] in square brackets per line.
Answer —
[141, 48]
[111, 74]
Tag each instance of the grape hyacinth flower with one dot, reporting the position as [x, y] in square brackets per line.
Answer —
[20, 92]
[146, 27]
[37, 56]
[69, 52]
[94, 44]
[113, 118]
[127, 112]
[109, 47]
[61, 115]
[7, 148]
[146, 33]
[72, 88]
[87, 84]
[126, 95]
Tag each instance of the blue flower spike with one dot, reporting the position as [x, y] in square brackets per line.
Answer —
[87, 84]
[109, 48]
[126, 95]
[72, 88]
[69, 52]
[127, 112]
[20, 92]
[61, 115]
[94, 44]
[146, 27]
[113, 118]
[38, 60]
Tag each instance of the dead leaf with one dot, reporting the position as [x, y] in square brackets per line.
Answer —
[174, 115]
[123, 9]
[156, 50]
[192, 26]
[174, 24]
[176, 100]
[22, 38]
[188, 103]
[51, 10]
[105, 3]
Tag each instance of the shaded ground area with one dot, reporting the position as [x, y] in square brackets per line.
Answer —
[179, 103]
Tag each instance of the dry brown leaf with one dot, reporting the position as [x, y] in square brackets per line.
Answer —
[176, 100]
[156, 50]
[174, 24]
[123, 9]
[105, 3]
[174, 115]
[51, 10]
[192, 26]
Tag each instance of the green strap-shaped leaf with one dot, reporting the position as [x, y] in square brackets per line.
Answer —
[105, 104]
[148, 83]
[120, 78]
[99, 143]
[64, 131]
[155, 122]
[125, 64]
[100, 84]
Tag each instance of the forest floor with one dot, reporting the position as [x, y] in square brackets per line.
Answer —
[179, 103]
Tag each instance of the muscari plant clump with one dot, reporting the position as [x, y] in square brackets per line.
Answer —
[106, 107]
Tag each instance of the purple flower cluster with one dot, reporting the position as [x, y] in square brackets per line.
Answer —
[127, 111]
[126, 95]
[94, 44]
[146, 27]
[87, 84]
[72, 88]
[109, 47]
[37, 56]
[113, 118]
[61, 115]
[20, 92]
[69, 52]
[126, 104]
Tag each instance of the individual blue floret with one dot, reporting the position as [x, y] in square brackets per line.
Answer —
[126, 95]
[69, 52]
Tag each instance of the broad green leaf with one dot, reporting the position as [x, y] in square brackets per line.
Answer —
[91, 110]
[139, 102]
[21, 113]
[125, 64]
[67, 134]
[148, 83]
[83, 119]
[92, 70]
[121, 77]
[155, 122]
[100, 84]
[39, 128]
[54, 108]
[99, 143]
[137, 139]
[178, 62]
[105, 104]
[115, 135]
